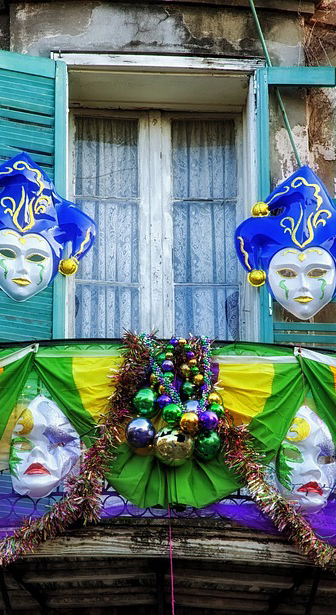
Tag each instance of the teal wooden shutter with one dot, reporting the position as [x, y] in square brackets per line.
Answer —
[33, 119]
[322, 334]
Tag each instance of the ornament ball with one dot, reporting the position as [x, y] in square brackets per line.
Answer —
[164, 400]
[214, 398]
[172, 447]
[187, 389]
[207, 445]
[140, 432]
[189, 423]
[208, 420]
[218, 409]
[172, 414]
[192, 405]
[144, 402]
[167, 365]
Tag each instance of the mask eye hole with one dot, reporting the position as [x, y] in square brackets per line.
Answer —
[36, 258]
[287, 273]
[316, 273]
[325, 459]
[292, 454]
[7, 253]
[20, 443]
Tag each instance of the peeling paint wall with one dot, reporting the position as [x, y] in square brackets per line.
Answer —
[38, 28]
[97, 26]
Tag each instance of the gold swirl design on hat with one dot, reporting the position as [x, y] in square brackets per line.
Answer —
[244, 252]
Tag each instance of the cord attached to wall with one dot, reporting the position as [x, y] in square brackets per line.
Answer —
[278, 95]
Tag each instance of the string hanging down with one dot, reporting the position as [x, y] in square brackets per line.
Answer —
[277, 92]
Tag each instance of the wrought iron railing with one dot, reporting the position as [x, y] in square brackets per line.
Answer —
[14, 507]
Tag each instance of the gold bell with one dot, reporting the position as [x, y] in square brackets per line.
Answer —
[68, 266]
[257, 277]
[260, 209]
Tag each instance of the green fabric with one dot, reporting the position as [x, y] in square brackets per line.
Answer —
[250, 349]
[12, 380]
[147, 483]
[270, 426]
[321, 382]
[56, 375]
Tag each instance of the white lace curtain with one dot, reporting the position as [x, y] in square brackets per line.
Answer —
[107, 289]
[204, 215]
[204, 196]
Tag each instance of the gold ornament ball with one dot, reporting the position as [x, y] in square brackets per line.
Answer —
[185, 370]
[169, 355]
[260, 210]
[189, 423]
[192, 362]
[162, 389]
[198, 379]
[257, 277]
[68, 266]
[214, 398]
[153, 379]
[173, 447]
[182, 341]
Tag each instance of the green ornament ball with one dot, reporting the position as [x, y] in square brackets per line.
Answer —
[144, 403]
[160, 358]
[172, 414]
[187, 389]
[194, 370]
[207, 445]
[170, 348]
[187, 347]
[218, 409]
[169, 376]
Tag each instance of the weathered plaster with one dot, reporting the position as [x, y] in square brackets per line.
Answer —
[93, 26]
[4, 31]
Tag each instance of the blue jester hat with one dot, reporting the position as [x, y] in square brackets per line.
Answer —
[298, 214]
[29, 203]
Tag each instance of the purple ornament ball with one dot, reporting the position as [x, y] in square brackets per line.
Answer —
[164, 400]
[140, 432]
[174, 342]
[190, 354]
[167, 366]
[208, 420]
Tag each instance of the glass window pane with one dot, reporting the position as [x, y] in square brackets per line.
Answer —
[107, 281]
[204, 221]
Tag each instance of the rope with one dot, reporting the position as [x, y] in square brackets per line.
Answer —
[171, 562]
[278, 95]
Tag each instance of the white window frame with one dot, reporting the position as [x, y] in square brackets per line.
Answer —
[161, 299]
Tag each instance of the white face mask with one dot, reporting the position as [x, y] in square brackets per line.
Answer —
[302, 282]
[26, 264]
[44, 448]
[305, 464]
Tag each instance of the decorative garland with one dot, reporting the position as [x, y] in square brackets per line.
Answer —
[83, 499]
[83, 502]
[179, 383]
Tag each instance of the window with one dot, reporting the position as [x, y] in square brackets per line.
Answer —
[163, 190]
[163, 155]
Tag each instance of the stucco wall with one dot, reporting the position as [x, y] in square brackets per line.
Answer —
[38, 29]
[96, 26]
